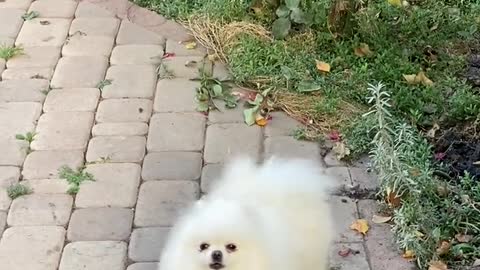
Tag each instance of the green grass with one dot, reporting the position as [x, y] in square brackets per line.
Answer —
[17, 190]
[74, 178]
[8, 52]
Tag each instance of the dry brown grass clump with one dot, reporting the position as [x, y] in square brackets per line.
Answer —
[218, 37]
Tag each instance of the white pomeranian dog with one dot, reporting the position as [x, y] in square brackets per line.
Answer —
[269, 217]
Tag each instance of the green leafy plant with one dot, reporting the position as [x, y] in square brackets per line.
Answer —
[75, 178]
[16, 190]
[255, 107]
[8, 52]
[28, 137]
[288, 13]
[30, 15]
[103, 83]
[212, 89]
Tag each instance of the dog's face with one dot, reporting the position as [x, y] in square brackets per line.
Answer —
[221, 236]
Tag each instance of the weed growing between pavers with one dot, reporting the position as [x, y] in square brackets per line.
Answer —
[74, 178]
[8, 52]
[103, 83]
[29, 137]
[17, 190]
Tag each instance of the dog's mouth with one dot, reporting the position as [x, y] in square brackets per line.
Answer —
[216, 266]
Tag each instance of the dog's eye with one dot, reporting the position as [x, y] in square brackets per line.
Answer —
[231, 247]
[204, 246]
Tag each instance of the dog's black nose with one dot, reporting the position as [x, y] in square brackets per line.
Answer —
[217, 256]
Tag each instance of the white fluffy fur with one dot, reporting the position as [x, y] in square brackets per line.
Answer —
[276, 214]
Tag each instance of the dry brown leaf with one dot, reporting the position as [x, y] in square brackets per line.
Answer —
[340, 150]
[380, 219]
[392, 199]
[408, 254]
[360, 225]
[437, 265]
[322, 66]
[463, 238]
[444, 248]
[433, 130]
[363, 50]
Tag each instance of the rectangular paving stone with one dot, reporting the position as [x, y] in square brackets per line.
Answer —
[120, 129]
[63, 131]
[43, 32]
[13, 151]
[2, 64]
[130, 81]
[363, 178]
[160, 202]
[115, 185]
[7, 41]
[143, 266]
[175, 95]
[89, 10]
[225, 140]
[94, 255]
[379, 241]
[281, 125]
[27, 73]
[10, 21]
[84, 45]
[40, 210]
[79, 71]
[23, 90]
[210, 174]
[341, 177]
[98, 224]
[18, 118]
[45, 164]
[147, 243]
[131, 33]
[116, 149]
[72, 100]
[344, 212]
[289, 147]
[54, 8]
[356, 260]
[47, 186]
[124, 110]
[186, 66]
[37, 247]
[20, 4]
[95, 26]
[176, 132]
[35, 57]
[172, 166]
[179, 48]
[137, 54]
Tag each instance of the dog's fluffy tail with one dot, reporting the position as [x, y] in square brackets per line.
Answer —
[275, 177]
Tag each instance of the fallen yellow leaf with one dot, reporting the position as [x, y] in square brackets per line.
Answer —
[408, 254]
[444, 248]
[360, 225]
[437, 265]
[363, 50]
[433, 130]
[409, 78]
[191, 45]
[322, 66]
[397, 3]
[422, 78]
[261, 121]
[380, 219]
[419, 234]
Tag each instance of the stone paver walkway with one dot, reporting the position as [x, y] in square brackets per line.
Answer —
[88, 85]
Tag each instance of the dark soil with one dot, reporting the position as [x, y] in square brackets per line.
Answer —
[460, 151]
[473, 70]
